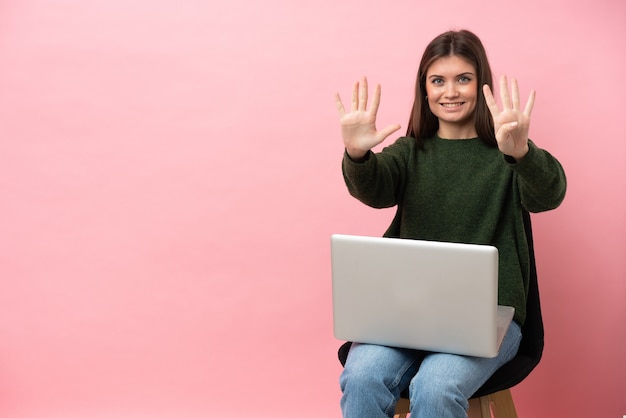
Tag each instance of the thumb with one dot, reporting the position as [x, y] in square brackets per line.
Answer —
[508, 127]
[384, 133]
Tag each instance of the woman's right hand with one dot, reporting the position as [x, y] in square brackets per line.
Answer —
[358, 126]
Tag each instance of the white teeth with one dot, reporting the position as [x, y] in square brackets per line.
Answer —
[450, 104]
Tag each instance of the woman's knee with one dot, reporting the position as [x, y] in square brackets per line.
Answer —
[371, 367]
[359, 372]
[437, 392]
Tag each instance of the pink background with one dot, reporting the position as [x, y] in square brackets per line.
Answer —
[170, 177]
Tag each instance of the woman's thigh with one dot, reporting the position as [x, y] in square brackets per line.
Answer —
[392, 367]
[465, 373]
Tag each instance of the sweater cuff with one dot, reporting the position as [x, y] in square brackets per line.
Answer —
[360, 160]
[527, 161]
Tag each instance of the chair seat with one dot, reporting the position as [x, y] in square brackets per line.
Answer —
[500, 403]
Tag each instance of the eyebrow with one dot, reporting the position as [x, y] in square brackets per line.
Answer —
[458, 75]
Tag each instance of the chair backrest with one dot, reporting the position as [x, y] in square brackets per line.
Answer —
[531, 346]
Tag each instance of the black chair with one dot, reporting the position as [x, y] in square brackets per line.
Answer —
[495, 393]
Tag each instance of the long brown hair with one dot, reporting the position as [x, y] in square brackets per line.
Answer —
[423, 123]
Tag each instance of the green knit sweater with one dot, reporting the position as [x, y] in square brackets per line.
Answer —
[462, 191]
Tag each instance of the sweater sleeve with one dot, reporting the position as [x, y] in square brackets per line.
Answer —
[377, 179]
[541, 180]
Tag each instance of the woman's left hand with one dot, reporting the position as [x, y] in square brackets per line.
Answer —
[510, 124]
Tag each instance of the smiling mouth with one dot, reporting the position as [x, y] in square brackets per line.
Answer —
[452, 104]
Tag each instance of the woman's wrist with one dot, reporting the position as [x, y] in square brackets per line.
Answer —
[357, 156]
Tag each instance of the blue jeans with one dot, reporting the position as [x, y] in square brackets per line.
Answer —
[439, 384]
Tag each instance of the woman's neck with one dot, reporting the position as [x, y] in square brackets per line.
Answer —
[456, 131]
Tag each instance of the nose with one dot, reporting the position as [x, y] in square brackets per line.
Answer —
[451, 90]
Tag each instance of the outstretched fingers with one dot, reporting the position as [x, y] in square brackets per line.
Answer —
[375, 100]
[504, 93]
[510, 98]
[515, 95]
[530, 104]
[362, 99]
[359, 98]
[340, 108]
[355, 97]
[359, 95]
[491, 102]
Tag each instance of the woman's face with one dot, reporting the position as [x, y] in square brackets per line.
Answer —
[452, 92]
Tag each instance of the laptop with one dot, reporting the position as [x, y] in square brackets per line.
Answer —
[426, 295]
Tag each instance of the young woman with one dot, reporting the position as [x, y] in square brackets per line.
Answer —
[463, 173]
